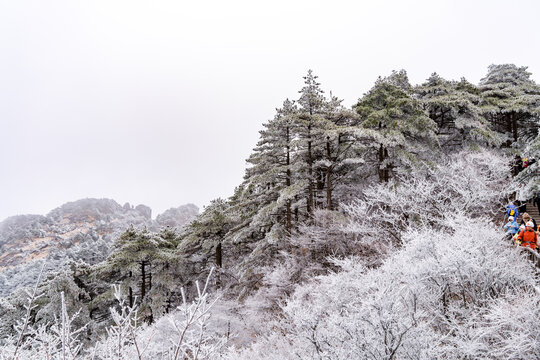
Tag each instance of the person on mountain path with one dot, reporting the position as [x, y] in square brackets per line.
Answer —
[527, 162]
[511, 227]
[512, 210]
[528, 237]
[525, 218]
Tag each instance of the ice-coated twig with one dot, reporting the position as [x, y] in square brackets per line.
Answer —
[33, 297]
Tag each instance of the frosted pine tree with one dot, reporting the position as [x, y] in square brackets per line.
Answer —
[65, 282]
[398, 129]
[270, 202]
[454, 107]
[311, 122]
[134, 257]
[269, 187]
[326, 143]
[527, 108]
[294, 164]
[164, 279]
[203, 242]
[339, 165]
[510, 100]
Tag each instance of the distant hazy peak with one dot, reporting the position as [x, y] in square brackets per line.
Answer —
[79, 230]
[21, 220]
[179, 215]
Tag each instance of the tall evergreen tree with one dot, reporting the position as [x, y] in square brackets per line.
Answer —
[454, 108]
[268, 185]
[310, 123]
[293, 165]
[164, 290]
[510, 100]
[396, 125]
[340, 149]
[290, 174]
[263, 205]
[203, 241]
[135, 254]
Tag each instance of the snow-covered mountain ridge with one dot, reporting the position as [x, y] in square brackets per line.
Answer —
[82, 229]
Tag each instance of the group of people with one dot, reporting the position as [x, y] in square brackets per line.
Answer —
[524, 234]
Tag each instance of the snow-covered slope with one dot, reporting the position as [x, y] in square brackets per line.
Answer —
[79, 230]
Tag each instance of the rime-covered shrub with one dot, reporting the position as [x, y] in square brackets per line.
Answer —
[440, 290]
[474, 184]
[443, 295]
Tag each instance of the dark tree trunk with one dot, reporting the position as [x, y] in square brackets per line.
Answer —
[288, 183]
[130, 292]
[328, 176]
[219, 263]
[514, 125]
[218, 255]
[383, 154]
[381, 159]
[508, 123]
[168, 303]
[386, 168]
[143, 279]
[517, 165]
[310, 174]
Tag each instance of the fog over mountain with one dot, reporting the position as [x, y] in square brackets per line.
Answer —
[116, 87]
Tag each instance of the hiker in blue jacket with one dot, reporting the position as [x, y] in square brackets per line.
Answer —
[512, 210]
[511, 227]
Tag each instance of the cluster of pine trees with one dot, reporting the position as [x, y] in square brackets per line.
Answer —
[314, 157]
[315, 154]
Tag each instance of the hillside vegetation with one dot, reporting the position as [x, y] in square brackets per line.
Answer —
[370, 232]
[82, 230]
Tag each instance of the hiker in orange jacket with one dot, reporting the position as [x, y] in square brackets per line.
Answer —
[528, 237]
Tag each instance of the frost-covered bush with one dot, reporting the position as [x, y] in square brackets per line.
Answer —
[471, 183]
[181, 335]
[56, 340]
[445, 287]
[443, 295]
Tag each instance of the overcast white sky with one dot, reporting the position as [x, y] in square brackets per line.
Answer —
[160, 102]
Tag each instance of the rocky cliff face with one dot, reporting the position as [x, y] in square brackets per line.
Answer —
[82, 230]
